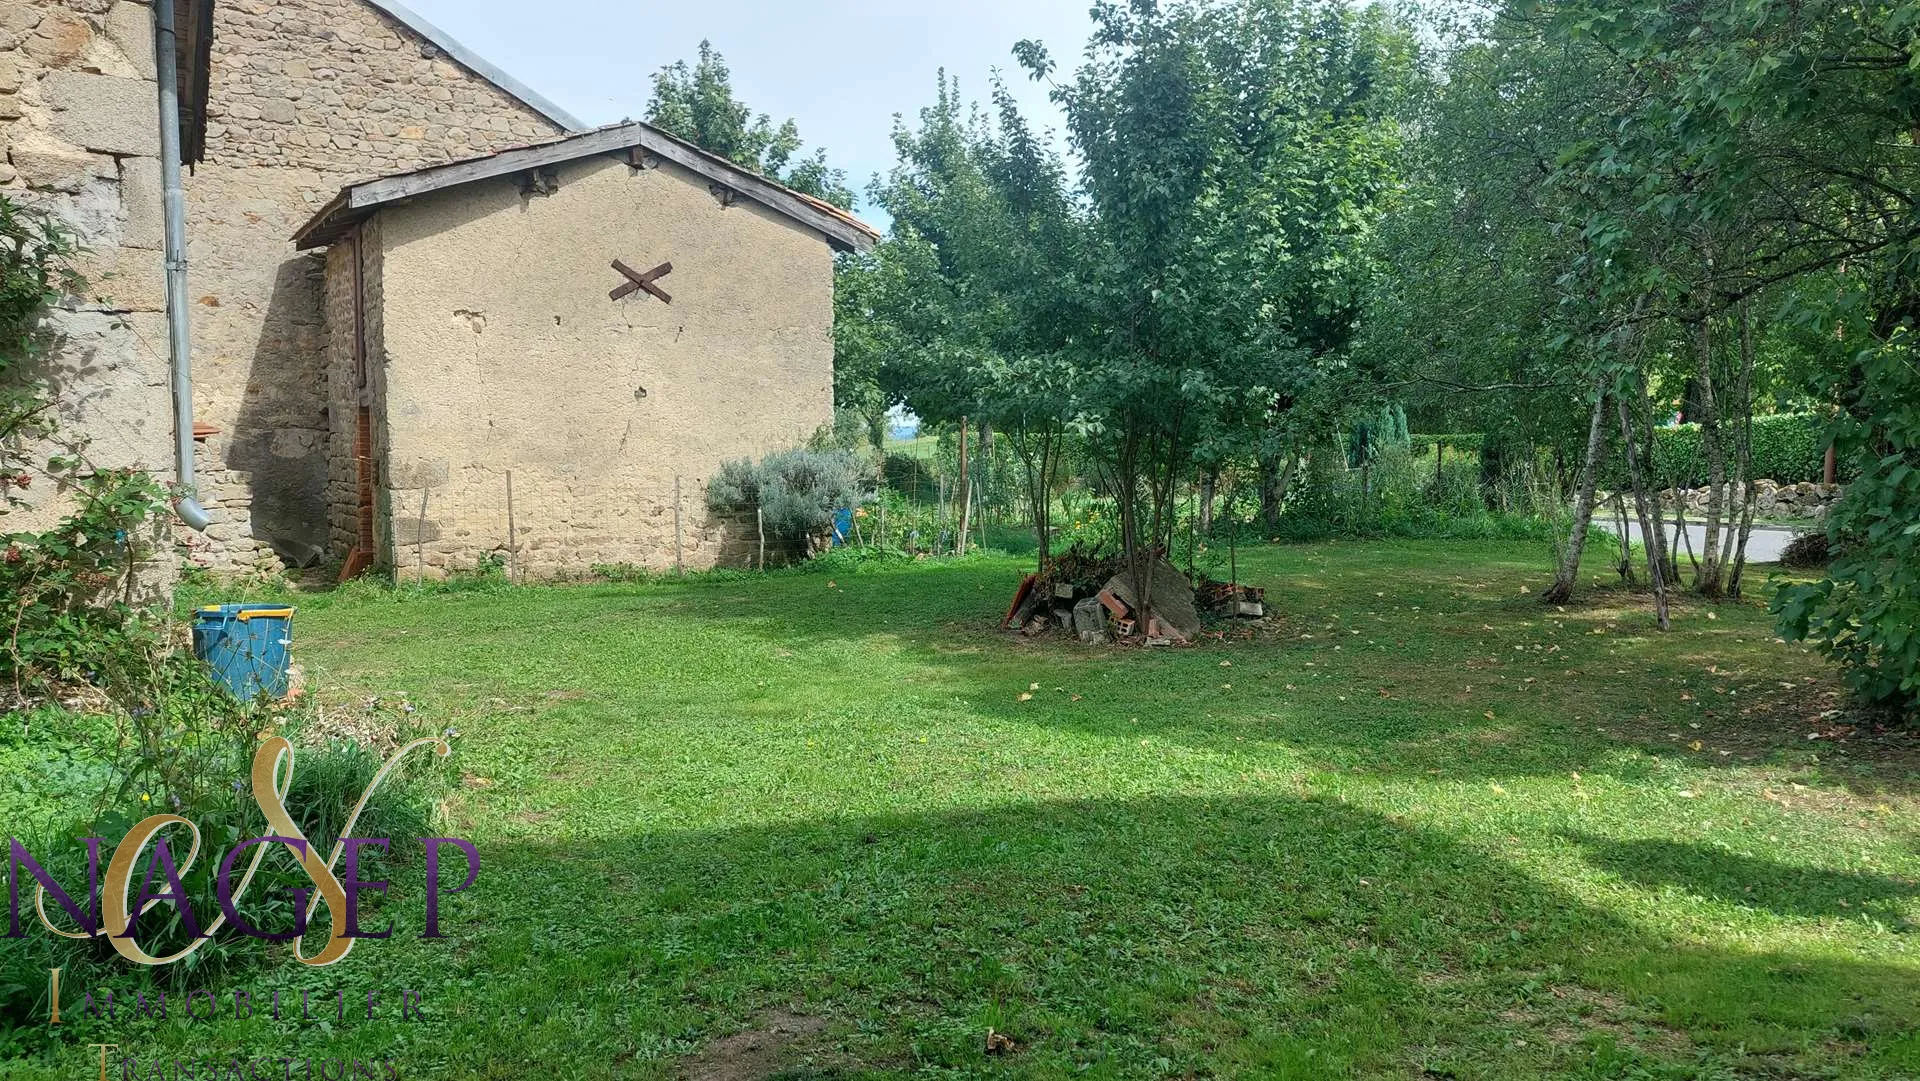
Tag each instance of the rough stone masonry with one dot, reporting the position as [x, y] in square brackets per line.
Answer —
[306, 95]
[79, 138]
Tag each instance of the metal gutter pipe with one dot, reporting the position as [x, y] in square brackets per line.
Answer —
[180, 347]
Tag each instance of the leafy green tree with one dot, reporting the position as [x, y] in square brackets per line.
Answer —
[1480, 317]
[1234, 157]
[968, 305]
[1635, 205]
[697, 103]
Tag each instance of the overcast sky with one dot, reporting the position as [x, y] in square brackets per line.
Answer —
[840, 68]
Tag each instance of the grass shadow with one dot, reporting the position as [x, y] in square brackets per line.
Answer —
[1751, 882]
[1271, 936]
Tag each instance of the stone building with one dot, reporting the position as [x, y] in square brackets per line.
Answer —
[80, 140]
[541, 355]
[303, 97]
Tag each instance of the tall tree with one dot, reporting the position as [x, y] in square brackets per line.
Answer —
[969, 303]
[1234, 155]
[697, 103]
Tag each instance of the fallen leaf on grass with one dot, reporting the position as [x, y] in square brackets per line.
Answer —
[999, 1043]
[1025, 696]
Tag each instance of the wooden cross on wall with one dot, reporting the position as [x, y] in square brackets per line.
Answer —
[638, 282]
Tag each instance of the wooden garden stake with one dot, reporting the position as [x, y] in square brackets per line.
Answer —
[420, 542]
[679, 549]
[966, 493]
[1233, 546]
[1193, 516]
[760, 523]
[513, 538]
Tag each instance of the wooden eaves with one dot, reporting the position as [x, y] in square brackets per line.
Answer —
[631, 140]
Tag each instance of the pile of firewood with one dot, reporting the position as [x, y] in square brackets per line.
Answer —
[1094, 598]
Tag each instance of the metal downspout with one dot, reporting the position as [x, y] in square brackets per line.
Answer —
[166, 57]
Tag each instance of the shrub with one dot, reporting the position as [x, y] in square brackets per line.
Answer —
[69, 613]
[1091, 522]
[1866, 613]
[796, 492]
[1808, 550]
[67, 590]
[36, 270]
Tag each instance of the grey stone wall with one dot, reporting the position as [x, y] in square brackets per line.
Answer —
[306, 96]
[79, 135]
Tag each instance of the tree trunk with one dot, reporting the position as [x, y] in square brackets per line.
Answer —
[1287, 472]
[1208, 482]
[1276, 476]
[1743, 459]
[1563, 582]
[1270, 493]
[1682, 538]
[1710, 580]
[1652, 530]
[1626, 538]
[1039, 461]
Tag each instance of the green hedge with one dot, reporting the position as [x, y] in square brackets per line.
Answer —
[1787, 447]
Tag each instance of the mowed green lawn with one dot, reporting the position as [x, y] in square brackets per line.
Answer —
[1422, 827]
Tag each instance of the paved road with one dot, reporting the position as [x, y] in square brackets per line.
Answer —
[1763, 546]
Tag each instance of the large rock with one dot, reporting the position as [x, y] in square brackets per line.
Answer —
[130, 27]
[1170, 596]
[100, 112]
[61, 38]
[144, 201]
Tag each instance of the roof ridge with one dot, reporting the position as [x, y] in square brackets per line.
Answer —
[360, 199]
[478, 64]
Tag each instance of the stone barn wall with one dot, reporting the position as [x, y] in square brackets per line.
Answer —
[79, 138]
[503, 352]
[306, 96]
